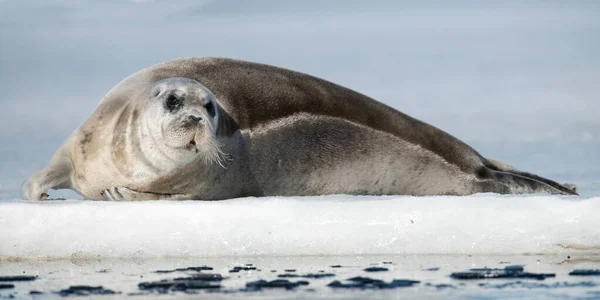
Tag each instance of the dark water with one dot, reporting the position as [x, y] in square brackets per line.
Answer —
[299, 277]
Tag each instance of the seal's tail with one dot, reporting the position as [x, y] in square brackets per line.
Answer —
[527, 182]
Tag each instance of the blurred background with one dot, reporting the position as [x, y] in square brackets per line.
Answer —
[517, 80]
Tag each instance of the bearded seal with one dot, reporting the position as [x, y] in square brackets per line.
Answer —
[216, 128]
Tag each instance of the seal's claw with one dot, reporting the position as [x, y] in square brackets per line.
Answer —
[118, 193]
[572, 187]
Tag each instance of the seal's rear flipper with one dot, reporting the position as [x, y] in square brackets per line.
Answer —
[572, 187]
[524, 180]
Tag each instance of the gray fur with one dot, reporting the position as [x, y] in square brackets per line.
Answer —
[279, 132]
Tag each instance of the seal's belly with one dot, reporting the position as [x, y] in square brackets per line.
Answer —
[315, 155]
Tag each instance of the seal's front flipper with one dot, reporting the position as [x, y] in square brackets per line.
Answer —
[120, 193]
[57, 175]
[31, 190]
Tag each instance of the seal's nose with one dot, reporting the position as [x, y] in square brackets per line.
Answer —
[194, 119]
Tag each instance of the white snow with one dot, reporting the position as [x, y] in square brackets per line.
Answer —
[328, 225]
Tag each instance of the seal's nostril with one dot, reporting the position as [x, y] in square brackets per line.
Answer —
[194, 119]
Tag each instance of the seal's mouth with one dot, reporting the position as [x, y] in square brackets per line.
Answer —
[205, 146]
[192, 145]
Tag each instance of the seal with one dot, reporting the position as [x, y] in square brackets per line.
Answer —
[216, 128]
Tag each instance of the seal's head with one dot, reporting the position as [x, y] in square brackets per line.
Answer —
[183, 115]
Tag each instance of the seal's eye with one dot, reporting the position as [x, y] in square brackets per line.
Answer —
[173, 102]
[210, 108]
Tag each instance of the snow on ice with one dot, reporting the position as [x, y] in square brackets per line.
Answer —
[327, 225]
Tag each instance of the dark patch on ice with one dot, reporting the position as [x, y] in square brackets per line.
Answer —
[105, 271]
[164, 286]
[370, 283]
[335, 266]
[6, 286]
[432, 269]
[137, 294]
[441, 286]
[34, 292]
[84, 290]
[278, 283]
[244, 268]
[197, 269]
[585, 272]
[311, 275]
[387, 262]
[18, 278]
[536, 285]
[203, 277]
[376, 269]
[504, 262]
[196, 282]
[290, 270]
[508, 272]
